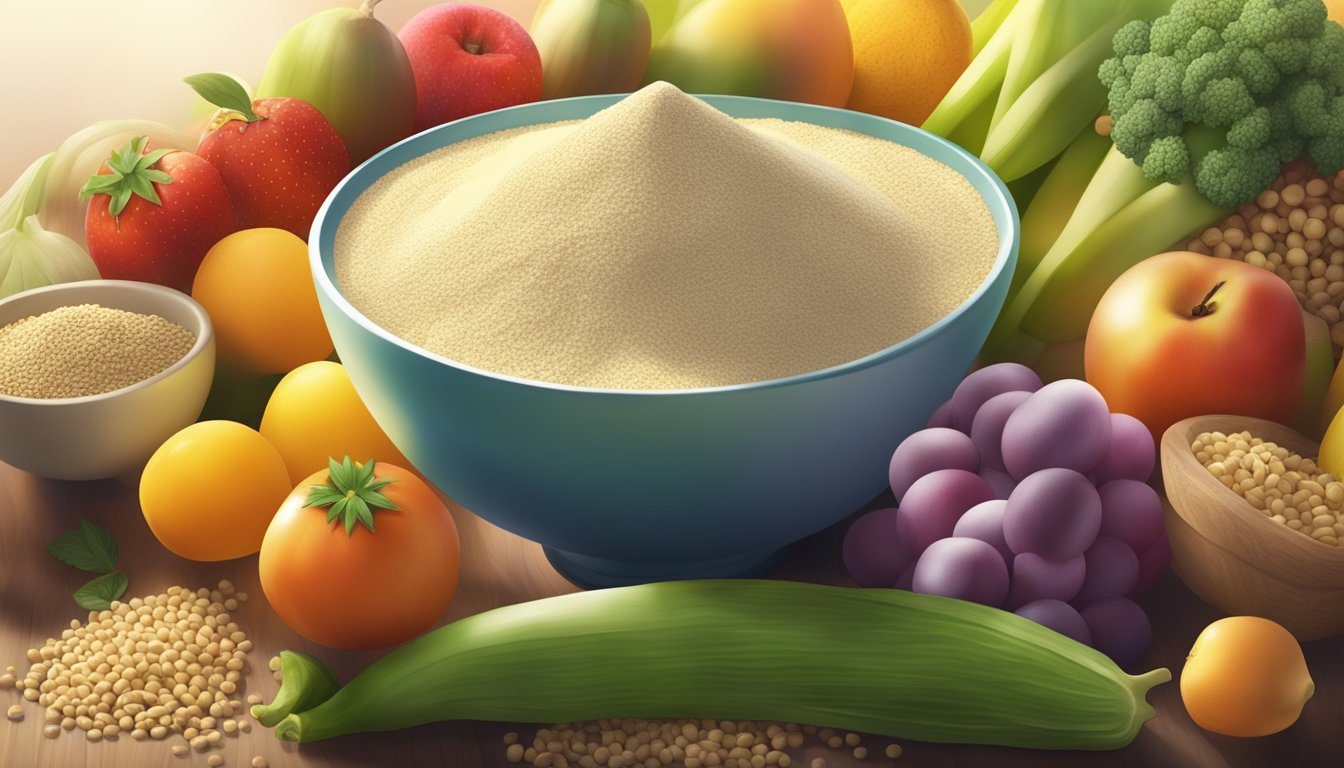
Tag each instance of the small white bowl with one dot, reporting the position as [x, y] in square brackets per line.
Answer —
[114, 433]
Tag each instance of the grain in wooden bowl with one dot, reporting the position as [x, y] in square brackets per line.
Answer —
[1236, 557]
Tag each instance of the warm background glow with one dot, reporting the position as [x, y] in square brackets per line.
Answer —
[67, 63]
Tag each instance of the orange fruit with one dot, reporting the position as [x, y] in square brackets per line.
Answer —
[314, 415]
[907, 55]
[1336, 10]
[210, 490]
[1245, 676]
[258, 290]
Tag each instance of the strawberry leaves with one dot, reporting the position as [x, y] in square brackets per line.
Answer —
[350, 494]
[131, 171]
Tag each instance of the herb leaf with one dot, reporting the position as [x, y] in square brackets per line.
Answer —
[92, 548]
[98, 594]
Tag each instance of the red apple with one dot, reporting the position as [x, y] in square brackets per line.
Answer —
[467, 60]
[279, 157]
[1182, 334]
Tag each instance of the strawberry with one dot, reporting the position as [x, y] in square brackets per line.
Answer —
[279, 156]
[152, 216]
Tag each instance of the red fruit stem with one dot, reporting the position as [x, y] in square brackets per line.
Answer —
[1203, 309]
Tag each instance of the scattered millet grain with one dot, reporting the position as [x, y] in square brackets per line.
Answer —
[654, 743]
[259, 762]
[1287, 488]
[179, 749]
[86, 350]
[145, 667]
[15, 712]
[7, 680]
[893, 751]
[214, 761]
[1295, 229]
[691, 250]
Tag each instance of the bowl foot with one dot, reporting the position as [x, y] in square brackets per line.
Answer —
[597, 573]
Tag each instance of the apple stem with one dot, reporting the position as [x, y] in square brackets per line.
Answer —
[472, 48]
[366, 8]
[1203, 309]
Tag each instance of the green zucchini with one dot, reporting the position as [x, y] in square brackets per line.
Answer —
[880, 661]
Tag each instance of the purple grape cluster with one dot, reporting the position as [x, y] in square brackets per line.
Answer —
[1028, 497]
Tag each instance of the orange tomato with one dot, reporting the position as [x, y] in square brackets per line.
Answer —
[345, 585]
[1245, 676]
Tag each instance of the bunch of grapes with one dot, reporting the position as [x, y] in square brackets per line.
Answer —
[1025, 497]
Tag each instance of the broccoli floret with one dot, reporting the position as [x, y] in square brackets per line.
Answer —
[1224, 175]
[1168, 160]
[1225, 91]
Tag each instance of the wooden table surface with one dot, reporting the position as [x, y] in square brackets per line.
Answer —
[497, 569]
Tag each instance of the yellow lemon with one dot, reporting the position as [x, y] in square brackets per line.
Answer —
[907, 54]
[315, 414]
[209, 492]
[257, 287]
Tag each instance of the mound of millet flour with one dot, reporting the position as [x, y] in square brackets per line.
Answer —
[661, 244]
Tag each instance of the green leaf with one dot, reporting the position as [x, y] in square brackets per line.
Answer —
[147, 161]
[376, 499]
[351, 494]
[120, 197]
[98, 594]
[142, 187]
[91, 548]
[130, 174]
[223, 91]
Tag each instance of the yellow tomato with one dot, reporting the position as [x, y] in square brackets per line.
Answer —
[315, 415]
[258, 290]
[209, 491]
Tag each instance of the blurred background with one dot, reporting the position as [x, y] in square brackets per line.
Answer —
[68, 63]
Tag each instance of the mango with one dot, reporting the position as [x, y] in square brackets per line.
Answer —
[793, 50]
[354, 70]
[591, 46]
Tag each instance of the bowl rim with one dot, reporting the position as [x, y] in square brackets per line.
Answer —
[204, 338]
[328, 219]
[1177, 440]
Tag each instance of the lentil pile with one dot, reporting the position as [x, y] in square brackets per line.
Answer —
[1289, 489]
[1296, 230]
[86, 349]
[149, 668]
[691, 743]
[661, 244]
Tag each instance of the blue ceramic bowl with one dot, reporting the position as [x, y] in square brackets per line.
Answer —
[631, 486]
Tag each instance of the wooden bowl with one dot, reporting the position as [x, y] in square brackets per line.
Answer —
[1232, 555]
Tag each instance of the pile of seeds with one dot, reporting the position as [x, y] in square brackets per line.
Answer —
[1288, 488]
[1296, 230]
[86, 350]
[690, 743]
[150, 667]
